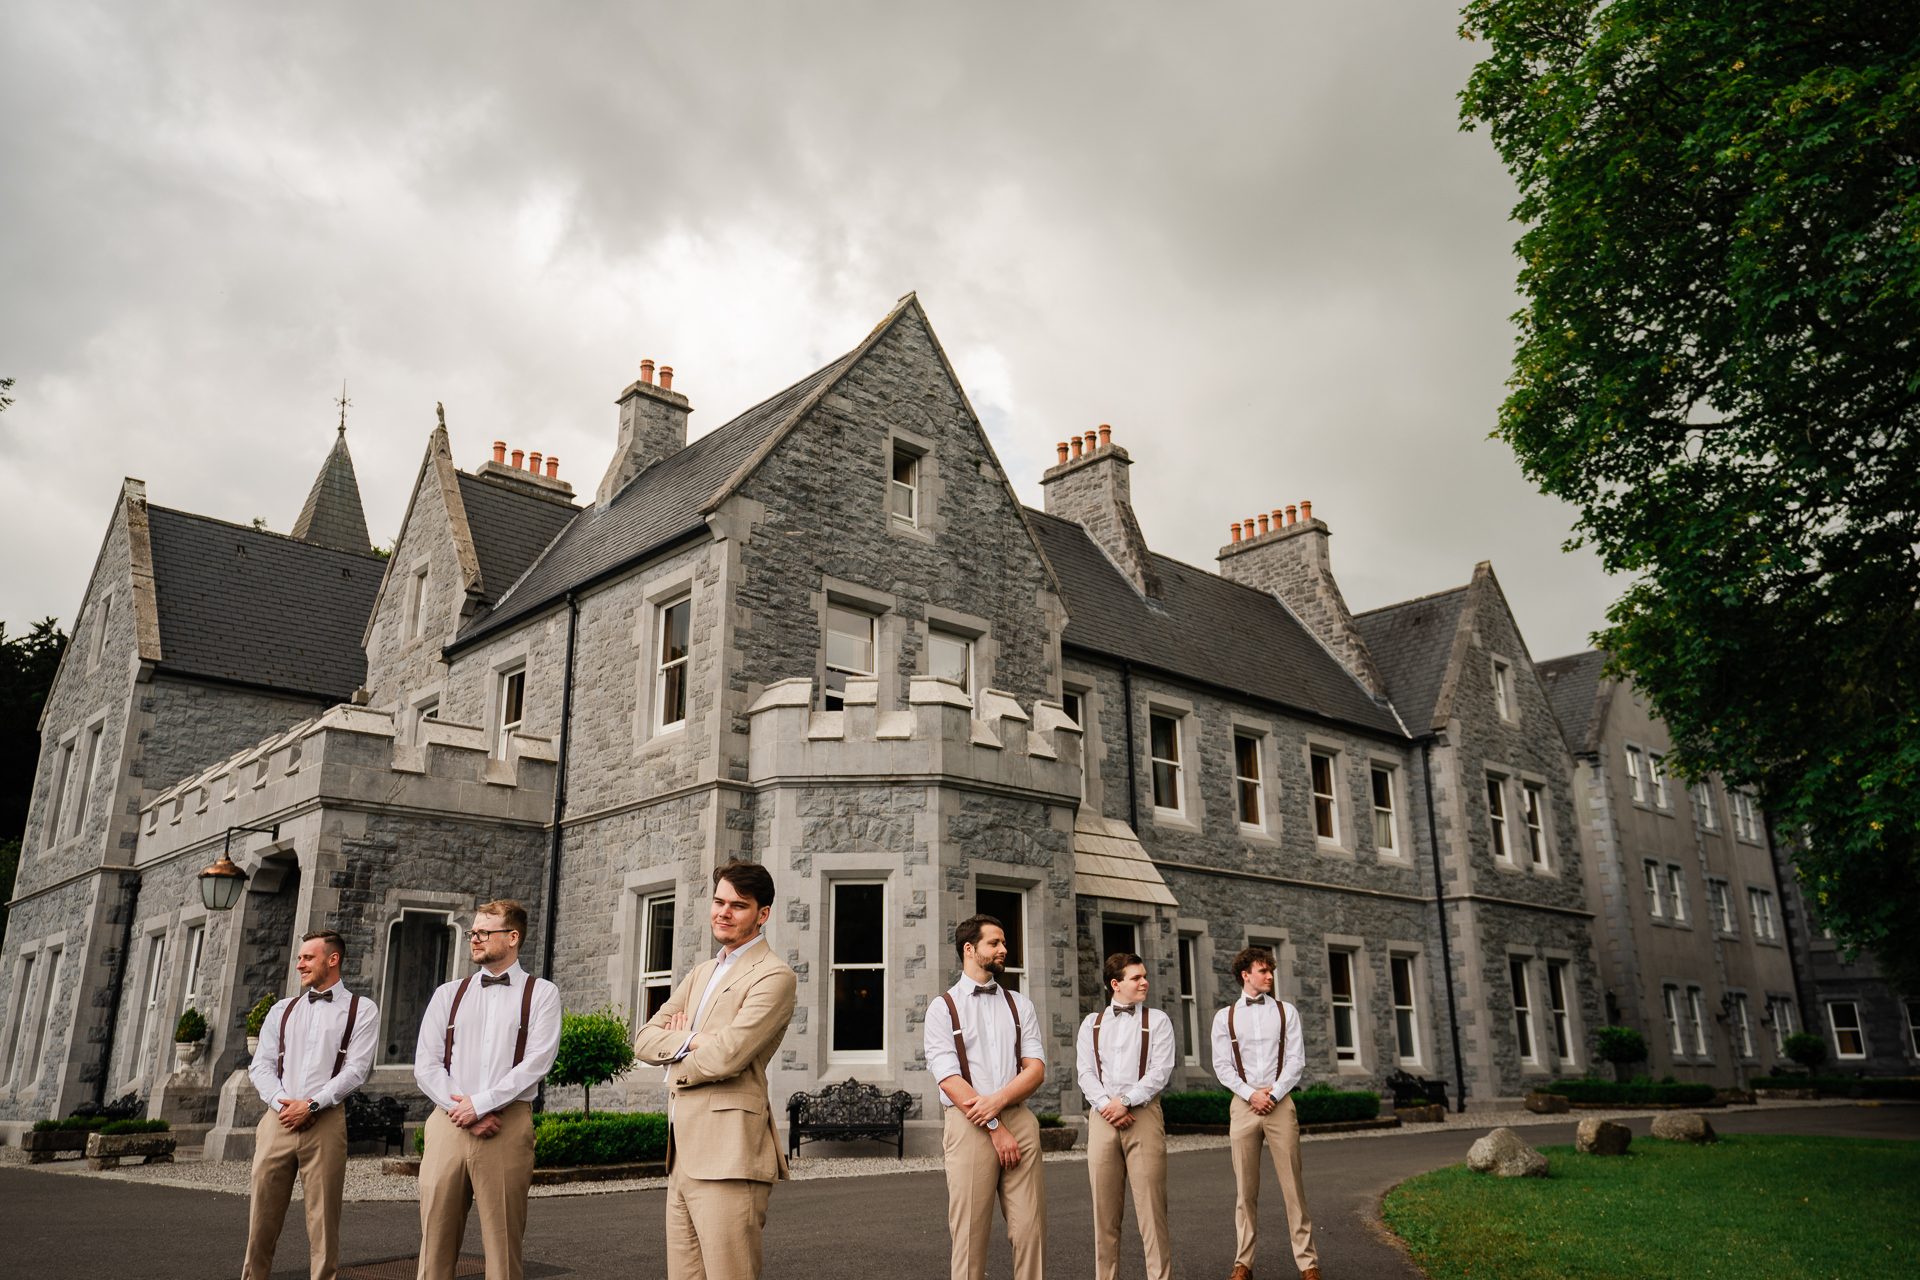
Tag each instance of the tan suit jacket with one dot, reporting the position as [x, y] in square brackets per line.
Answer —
[722, 1118]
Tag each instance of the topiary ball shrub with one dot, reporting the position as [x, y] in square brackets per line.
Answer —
[595, 1047]
[192, 1027]
[257, 1016]
[1809, 1051]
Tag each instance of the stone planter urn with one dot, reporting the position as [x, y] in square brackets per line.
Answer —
[1061, 1139]
[1433, 1113]
[106, 1151]
[253, 1045]
[186, 1052]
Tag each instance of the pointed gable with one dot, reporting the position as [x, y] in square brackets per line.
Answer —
[1412, 644]
[1578, 693]
[332, 516]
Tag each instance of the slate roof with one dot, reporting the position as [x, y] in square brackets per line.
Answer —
[510, 528]
[660, 504]
[332, 516]
[1206, 628]
[1573, 687]
[242, 604]
[1411, 643]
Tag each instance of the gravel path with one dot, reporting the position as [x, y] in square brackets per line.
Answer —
[366, 1182]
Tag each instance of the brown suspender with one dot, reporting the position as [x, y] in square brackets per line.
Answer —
[1100, 1075]
[339, 1059]
[1280, 1059]
[526, 1016]
[960, 1045]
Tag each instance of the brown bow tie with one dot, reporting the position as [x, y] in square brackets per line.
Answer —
[1256, 1000]
[1126, 1008]
[990, 989]
[315, 997]
[492, 980]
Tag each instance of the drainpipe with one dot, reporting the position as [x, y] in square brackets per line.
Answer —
[559, 793]
[1133, 787]
[129, 907]
[1446, 948]
[1786, 934]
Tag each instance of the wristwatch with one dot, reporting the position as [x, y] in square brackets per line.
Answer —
[993, 1123]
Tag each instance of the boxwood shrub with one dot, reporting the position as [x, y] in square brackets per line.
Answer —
[135, 1126]
[71, 1123]
[1318, 1105]
[1606, 1091]
[606, 1137]
[1870, 1087]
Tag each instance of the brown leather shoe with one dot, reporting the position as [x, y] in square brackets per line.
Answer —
[1241, 1272]
[1311, 1273]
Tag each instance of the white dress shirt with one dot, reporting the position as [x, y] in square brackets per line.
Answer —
[1257, 1024]
[994, 1048]
[717, 979]
[313, 1043]
[1118, 1063]
[483, 1040]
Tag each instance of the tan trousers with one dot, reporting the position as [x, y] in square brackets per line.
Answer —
[460, 1171]
[1134, 1155]
[319, 1154]
[714, 1226]
[975, 1180]
[1279, 1132]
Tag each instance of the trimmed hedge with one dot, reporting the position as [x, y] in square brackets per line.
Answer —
[70, 1124]
[1869, 1087]
[606, 1137]
[136, 1126]
[86, 1124]
[1605, 1091]
[1313, 1106]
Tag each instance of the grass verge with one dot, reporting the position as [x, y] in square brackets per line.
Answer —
[1755, 1207]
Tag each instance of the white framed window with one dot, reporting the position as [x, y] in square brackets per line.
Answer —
[1746, 816]
[1742, 1026]
[101, 613]
[950, 657]
[1383, 838]
[1720, 899]
[1009, 907]
[1189, 1001]
[420, 950]
[1503, 690]
[1657, 770]
[1406, 1023]
[416, 619]
[1118, 937]
[190, 979]
[1522, 1010]
[675, 664]
[83, 781]
[1844, 1017]
[1697, 1021]
[150, 1002]
[859, 962]
[43, 1035]
[849, 653]
[1760, 912]
[1497, 817]
[17, 1007]
[655, 980]
[422, 713]
[1703, 806]
[1637, 774]
[1346, 1039]
[1072, 705]
[1677, 893]
[1913, 1026]
[1654, 909]
[1557, 1005]
[1326, 804]
[1670, 1004]
[1246, 780]
[1784, 1023]
[1536, 830]
[513, 707]
[57, 801]
[905, 488]
[1164, 746]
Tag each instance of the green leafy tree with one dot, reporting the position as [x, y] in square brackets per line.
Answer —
[1622, 1046]
[595, 1047]
[1808, 1050]
[1717, 366]
[27, 666]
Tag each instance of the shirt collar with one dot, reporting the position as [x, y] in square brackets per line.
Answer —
[726, 958]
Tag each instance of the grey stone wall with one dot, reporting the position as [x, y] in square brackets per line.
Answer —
[399, 665]
[1293, 562]
[184, 726]
[1095, 492]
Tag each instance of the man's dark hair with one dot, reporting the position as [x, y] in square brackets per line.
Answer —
[1244, 960]
[749, 879]
[1117, 965]
[512, 915]
[967, 933]
[335, 943]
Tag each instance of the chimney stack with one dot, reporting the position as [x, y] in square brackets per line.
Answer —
[1090, 488]
[1291, 561]
[653, 425]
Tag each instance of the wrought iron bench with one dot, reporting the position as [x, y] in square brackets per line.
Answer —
[848, 1112]
[1408, 1087]
[379, 1116]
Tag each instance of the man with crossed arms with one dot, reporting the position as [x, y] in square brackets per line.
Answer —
[982, 1044]
[315, 1049]
[1125, 1058]
[1258, 1053]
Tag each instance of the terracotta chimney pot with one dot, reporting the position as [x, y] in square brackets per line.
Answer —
[499, 450]
[1075, 442]
[1293, 514]
[1279, 518]
[518, 455]
[1062, 446]
[1263, 524]
[553, 468]
[666, 377]
[646, 372]
[1092, 442]
[1106, 435]
[533, 463]
[1306, 509]
[1236, 530]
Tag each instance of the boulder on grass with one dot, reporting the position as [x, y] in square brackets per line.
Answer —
[1683, 1126]
[1502, 1154]
[1547, 1104]
[1599, 1137]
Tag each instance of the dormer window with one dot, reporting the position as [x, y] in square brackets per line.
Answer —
[905, 490]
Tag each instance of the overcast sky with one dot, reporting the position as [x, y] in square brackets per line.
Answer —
[1249, 236]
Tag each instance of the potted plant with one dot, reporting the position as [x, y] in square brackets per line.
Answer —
[1055, 1133]
[1622, 1046]
[189, 1038]
[257, 1018]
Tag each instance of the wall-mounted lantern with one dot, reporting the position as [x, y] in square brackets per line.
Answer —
[221, 883]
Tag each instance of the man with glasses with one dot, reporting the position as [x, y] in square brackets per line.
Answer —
[485, 1043]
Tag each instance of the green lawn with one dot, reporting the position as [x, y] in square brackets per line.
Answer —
[1749, 1207]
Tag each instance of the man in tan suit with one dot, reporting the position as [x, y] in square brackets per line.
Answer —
[715, 1037]
[485, 1043]
[1124, 1057]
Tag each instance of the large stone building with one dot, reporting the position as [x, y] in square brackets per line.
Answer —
[828, 637]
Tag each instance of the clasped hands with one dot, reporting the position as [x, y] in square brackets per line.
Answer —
[479, 1126]
[1117, 1113]
[296, 1115]
[983, 1107]
[1262, 1101]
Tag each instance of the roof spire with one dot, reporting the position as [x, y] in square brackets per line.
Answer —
[332, 516]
